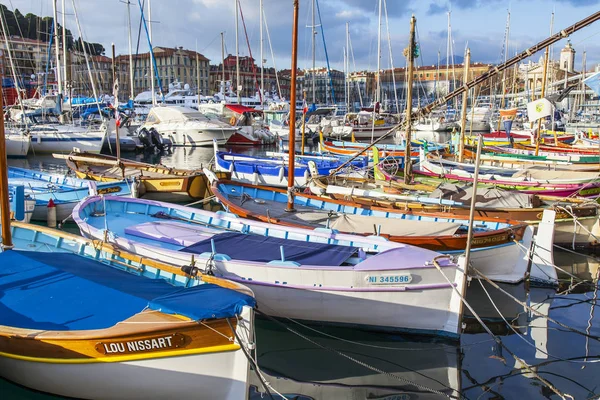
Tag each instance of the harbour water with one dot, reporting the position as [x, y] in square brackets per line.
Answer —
[319, 362]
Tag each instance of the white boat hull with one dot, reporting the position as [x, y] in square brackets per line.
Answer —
[17, 145]
[193, 136]
[65, 142]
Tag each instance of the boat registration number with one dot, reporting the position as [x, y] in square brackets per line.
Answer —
[388, 279]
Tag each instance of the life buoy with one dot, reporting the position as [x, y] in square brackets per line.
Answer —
[232, 121]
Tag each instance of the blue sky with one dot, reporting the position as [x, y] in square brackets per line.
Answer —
[196, 24]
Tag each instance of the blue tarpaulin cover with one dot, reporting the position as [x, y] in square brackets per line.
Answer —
[240, 246]
[63, 291]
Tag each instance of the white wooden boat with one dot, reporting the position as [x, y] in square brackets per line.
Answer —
[364, 281]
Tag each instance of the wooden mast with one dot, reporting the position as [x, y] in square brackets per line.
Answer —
[292, 134]
[539, 124]
[4, 206]
[410, 62]
[463, 111]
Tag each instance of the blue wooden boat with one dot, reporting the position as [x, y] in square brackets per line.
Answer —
[64, 191]
[273, 170]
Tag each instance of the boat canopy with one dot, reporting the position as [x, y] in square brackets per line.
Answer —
[240, 246]
[63, 291]
[178, 114]
[240, 109]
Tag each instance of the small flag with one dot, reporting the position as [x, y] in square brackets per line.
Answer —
[304, 107]
[507, 117]
[539, 109]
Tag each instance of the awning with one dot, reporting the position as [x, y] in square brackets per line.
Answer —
[238, 108]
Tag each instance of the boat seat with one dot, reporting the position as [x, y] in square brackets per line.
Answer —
[171, 232]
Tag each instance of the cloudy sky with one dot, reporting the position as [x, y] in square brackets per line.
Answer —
[196, 24]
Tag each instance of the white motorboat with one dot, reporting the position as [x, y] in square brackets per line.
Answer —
[187, 127]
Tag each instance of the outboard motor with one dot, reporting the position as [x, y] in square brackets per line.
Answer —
[145, 140]
[156, 139]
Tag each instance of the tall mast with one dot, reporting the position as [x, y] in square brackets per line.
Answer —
[504, 72]
[4, 201]
[544, 76]
[56, 42]
[409, 62]
[345, 77]
[378, 93]
[64, 44]
[223, 58]
[448, 56]
[262, 72]
[151, 54]
[292, 134]
[198, 77]
[131, 95]
[348, 65]
[314, 72]
[463, 113]
[237, 53]
[387, 27]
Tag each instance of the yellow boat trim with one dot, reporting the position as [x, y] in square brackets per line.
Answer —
[131, 357]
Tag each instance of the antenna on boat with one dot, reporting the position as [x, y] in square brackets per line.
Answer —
[292, 134]
[4, 206]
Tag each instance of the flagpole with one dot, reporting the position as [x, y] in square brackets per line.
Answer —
[4, 202]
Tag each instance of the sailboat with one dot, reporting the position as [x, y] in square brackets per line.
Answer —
[82, 319]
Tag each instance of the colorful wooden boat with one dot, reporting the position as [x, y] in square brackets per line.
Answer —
[64, 191]
[83, 319]
[576, 220]
[528, 180]
[152, 181]
[561, 149]
[434, 231]
[507, 155]
[292, 271]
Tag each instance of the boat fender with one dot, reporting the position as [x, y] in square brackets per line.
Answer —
[190, 270]
[281, 173]
[51, 214]
[255, 177]
[306, 175]
[92, 188]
